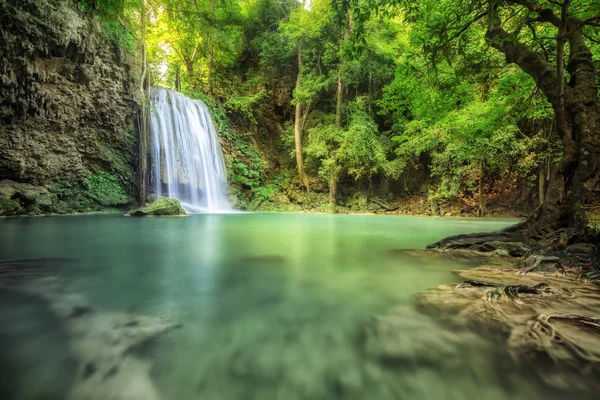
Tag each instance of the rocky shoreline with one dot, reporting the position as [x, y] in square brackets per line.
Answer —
[541, 304]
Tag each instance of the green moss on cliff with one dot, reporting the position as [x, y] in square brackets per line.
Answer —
[67, 108]
[105, 189]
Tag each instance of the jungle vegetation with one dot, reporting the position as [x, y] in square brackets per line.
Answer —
[449, 96]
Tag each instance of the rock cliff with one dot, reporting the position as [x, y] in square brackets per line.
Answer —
[68, 101]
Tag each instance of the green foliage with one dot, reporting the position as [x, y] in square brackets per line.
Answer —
[104, 188]
[361, 153]
[117, 20]
[10, 207]
[100, 192]
[246, 166]
[246, 104]
[270, 195]
[421, 89]
[119, 35]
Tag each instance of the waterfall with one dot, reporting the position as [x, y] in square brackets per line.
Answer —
[187, 161]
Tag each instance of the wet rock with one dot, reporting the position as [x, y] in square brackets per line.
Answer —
[162, 207]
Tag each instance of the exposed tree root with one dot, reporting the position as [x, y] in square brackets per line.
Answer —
[539, 316]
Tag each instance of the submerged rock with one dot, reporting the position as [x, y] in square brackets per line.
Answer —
[540, 315]
[159, 208]
[103, 344]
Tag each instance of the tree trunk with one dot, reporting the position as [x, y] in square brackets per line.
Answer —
[482, 209]
[211, 52]
[435, 207]
[577, 109]
[191, 79]
[541, 183]
[339, 99]
[298, 125]
[338, 124]
[178, 78]
[143, 115]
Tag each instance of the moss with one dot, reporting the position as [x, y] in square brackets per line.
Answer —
[160, 207]
[10, 207]
[105, 189]
[100, 192]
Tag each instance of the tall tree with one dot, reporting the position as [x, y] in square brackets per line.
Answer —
[566, 26]
[304, 24]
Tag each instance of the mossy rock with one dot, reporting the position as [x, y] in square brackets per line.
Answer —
[159, 207]
[9, 207]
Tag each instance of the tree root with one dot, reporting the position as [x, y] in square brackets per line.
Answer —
[562, 337]
[473, 241]
[536, 262]
[511, 292]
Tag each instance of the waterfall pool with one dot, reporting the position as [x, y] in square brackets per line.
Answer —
[271, 306]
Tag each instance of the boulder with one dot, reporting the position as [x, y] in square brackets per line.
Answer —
[158, 208]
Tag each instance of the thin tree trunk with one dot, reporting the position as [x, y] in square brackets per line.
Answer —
[338, 124]
[178, 78]
[482, 209]
[435, 207]
[339, 99]
[298, 125]
[541, 183]
[143, 115]
[211, 53]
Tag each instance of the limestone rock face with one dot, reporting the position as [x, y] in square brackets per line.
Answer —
[158, 208]
[67, 102]
[18, 198]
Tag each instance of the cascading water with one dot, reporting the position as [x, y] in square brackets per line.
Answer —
[187, 161]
